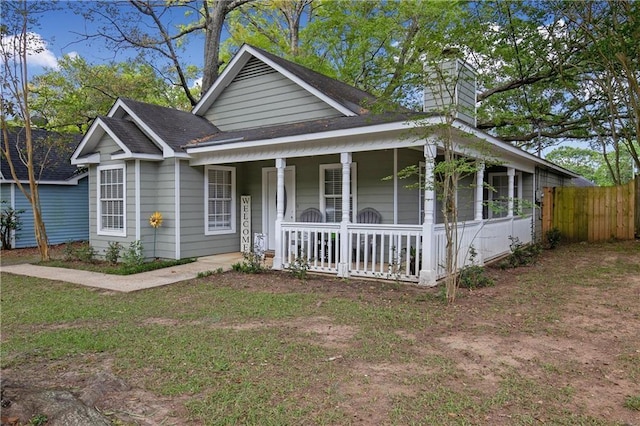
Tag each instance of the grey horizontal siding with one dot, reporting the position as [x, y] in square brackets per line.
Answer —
[259, 96]
[193, 241]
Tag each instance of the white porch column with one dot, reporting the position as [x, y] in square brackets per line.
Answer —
[511, 173]
[479, 191]
[428, 272]
[343, 266]
[281, 163]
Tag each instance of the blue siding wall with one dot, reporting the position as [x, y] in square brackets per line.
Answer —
[65, 210]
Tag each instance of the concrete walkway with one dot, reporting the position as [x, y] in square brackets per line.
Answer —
[127, 283]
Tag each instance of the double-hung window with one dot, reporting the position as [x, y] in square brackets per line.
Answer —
[112, 206]
[220, 200]
[331, 191]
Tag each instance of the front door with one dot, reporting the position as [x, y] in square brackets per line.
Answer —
[269, 212]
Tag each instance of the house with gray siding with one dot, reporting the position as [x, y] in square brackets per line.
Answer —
[63, 188]
[278, 155]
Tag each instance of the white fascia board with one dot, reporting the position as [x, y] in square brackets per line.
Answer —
[341, 108]
[223, 80]
[167, 151]
[512, 149]
[70, 182]
[332, 134]
[89, 159]
[136, 156]
[90, 136]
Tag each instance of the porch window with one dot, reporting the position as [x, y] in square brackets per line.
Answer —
[111, 200]
[220, 200]
[499, 196]
[331, 192]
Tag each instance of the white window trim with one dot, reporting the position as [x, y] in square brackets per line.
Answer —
[99, 229]
[517, 193]
[354, 187]
[232, 230]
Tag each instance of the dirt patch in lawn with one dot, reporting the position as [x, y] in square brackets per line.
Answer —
[562, 340]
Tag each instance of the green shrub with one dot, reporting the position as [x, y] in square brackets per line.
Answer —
[474, 276]
[9, 223]
[134, 255]
[521, 254]
[553, 237]
[252, 263]
[112, 253]
[299, 267]
[82, 252]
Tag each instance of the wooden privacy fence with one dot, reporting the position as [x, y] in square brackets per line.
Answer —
[593, 213]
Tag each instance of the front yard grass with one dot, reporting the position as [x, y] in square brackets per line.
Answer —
[553, 343]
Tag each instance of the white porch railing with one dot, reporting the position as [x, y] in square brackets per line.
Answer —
[317, 243]
[468, 233]
[495, 235]
[385, 251]
[394, 251]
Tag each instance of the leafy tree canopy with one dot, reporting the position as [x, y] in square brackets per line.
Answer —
[67, 99]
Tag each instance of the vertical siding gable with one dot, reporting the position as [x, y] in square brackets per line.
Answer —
[260, 96]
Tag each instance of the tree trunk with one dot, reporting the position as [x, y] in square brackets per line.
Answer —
[215, 20]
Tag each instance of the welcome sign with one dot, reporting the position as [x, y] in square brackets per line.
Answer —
[245, 223]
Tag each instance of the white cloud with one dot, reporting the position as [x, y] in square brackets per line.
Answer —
[37, 52]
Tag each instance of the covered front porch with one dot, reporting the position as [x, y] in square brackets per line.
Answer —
[347, 240]
[394, 252]
[336, 203]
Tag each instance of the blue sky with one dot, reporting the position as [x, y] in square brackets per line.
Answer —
[60, 31]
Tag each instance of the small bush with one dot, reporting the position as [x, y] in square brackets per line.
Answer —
[9, 223]
[521, 254]
[474, 276]
[112, 253]
[553, 237]
[208, 273]
[82, 252]
[300, 267]
[252, 263]
[134, 255]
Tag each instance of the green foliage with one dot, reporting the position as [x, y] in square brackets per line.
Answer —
[112, 253]
[632, 402]
[38, 420]
[70, 97]
[474, 276]
[208, 273]
[252, 263]
[134, 255]
[553, 237]
[521, 254]
[591, 164]
[82, 252]
[9, 222]
[300, 267]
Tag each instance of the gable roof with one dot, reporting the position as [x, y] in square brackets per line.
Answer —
[57, 167]
[348, 100]
[129, 135]
[143, 129]
[172, 126]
